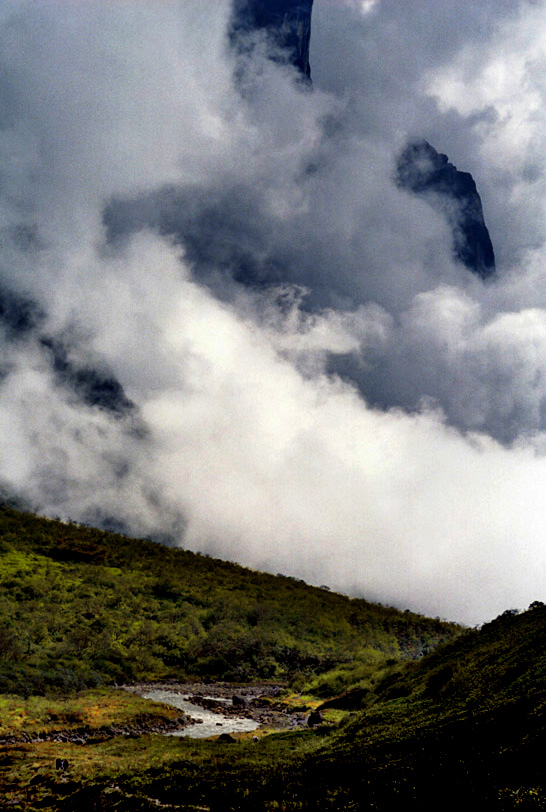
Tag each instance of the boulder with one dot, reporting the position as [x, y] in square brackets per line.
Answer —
[225, 738]
[348, 700]
[315, 718]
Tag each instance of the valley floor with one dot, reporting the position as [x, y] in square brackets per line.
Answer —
[86, 752]
[400, 754]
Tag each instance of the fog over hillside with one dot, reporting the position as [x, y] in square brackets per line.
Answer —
[225, 325]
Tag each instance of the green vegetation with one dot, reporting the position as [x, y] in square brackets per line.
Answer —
[461, 725]
[93, 709]
[81, 608]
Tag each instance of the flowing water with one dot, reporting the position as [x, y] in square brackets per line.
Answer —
[211, 724]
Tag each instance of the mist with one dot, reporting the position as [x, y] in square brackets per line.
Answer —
[223, 324]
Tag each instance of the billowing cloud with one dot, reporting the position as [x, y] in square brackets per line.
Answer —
[224, 325]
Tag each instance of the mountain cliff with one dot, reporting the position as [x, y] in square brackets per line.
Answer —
[428, 173]
[420, 169]
[286, 23]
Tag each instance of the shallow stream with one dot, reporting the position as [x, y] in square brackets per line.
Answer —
[211, 724]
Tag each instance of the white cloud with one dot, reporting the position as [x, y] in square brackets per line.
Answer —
[244, 443]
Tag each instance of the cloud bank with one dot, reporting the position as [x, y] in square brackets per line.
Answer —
[224, 325]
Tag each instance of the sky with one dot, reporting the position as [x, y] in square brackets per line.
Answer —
[299, 375]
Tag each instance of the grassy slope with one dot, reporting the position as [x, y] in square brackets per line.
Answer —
[80, 607]
[94, 709]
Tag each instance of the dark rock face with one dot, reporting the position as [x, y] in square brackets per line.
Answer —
[90, 385]
[426, 172]
[286, 22]
[18, 315]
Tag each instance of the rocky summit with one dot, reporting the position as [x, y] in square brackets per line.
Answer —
[428, 173]
[287, 24]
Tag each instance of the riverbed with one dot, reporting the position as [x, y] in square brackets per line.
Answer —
[212, 710]
[206, 722]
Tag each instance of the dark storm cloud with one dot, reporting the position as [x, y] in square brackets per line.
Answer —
[208, 253]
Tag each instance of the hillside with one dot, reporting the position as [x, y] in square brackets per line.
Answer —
[81, 608]
[468, 721]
